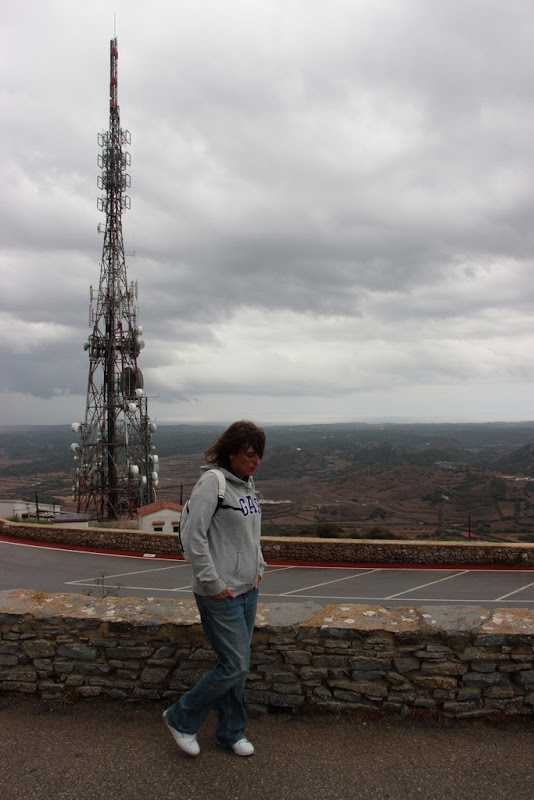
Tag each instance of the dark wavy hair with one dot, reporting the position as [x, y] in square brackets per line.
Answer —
[234, 439]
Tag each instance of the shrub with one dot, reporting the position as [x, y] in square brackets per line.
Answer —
[327, 530]
[378, 532]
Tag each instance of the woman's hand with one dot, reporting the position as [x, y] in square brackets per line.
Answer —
[225, 593]
[257, 582]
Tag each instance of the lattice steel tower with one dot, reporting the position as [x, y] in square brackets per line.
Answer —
[117, 470]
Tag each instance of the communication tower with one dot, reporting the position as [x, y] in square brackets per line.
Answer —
[116, 469]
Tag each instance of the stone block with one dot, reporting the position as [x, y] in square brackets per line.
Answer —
[273, 699]
[8, 648]
[499, 692]
[164, 653]
[93, 669]
[452, 707]
[279, 677]
[349, 697]
[483, 679]
[499, 639]
[433, 652]
[407, 697]
[435, 681]
[323, 692]
[154, 675]
[483, 666]
[89, 691]
[370, 688]
[338, 674]
[146, 694]
[525, 679]
[287, 688]
[367, 676]
[424, 702]
[74, 680]
[311, 673]
[264, 658]
[515, 667]
[24, 687]
[362, 664]
[117, 694]
[297, 657]
[468, 694]
[406, 664]
[63, 667]
[77, 651]
[444, 694]
[443, 668]
[399, 681]
[203, 654]
[329, 661]
[18, 674]
[43, 663]
[133, 651]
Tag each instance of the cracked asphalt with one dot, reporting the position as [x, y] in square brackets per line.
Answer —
[96, 749]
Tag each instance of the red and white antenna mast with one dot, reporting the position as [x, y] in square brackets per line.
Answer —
[117, 470]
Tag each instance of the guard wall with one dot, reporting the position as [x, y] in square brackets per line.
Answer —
[460, 662]
[333, 551]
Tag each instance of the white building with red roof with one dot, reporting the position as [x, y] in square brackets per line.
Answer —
[160, 517]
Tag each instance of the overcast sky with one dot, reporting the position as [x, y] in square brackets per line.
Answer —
[332, 206]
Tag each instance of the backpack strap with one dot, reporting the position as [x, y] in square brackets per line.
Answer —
[221, 490]
[221, 486]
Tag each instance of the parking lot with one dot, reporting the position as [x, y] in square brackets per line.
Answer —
[29, 566]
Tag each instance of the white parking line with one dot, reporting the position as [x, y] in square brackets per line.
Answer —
[327, 583]
[424, 585]
[376, 601]
[275, 568]
[527, 586]
[135, 572]
[123, 587]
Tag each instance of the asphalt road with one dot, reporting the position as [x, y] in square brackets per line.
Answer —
[122, 751]
[46, 569]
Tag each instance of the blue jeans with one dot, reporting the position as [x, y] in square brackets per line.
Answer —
[228, 624]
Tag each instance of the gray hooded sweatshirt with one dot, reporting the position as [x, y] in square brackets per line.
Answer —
[223, 545]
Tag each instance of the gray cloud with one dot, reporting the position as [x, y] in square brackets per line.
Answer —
[330, 211]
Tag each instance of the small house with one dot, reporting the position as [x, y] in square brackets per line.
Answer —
[160, 517]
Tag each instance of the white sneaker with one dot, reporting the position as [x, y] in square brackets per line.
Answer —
[243, 747]
[185, 741]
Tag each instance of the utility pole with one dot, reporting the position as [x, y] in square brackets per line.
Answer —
[442, 499]
[117, 470]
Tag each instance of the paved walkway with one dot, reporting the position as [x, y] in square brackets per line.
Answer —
[122, 751]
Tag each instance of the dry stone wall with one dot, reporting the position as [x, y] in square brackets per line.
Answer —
[340, 551]
[460, 662]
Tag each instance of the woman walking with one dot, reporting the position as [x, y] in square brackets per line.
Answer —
[223, 546]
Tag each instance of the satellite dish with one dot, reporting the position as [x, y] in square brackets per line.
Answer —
[132, 382]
